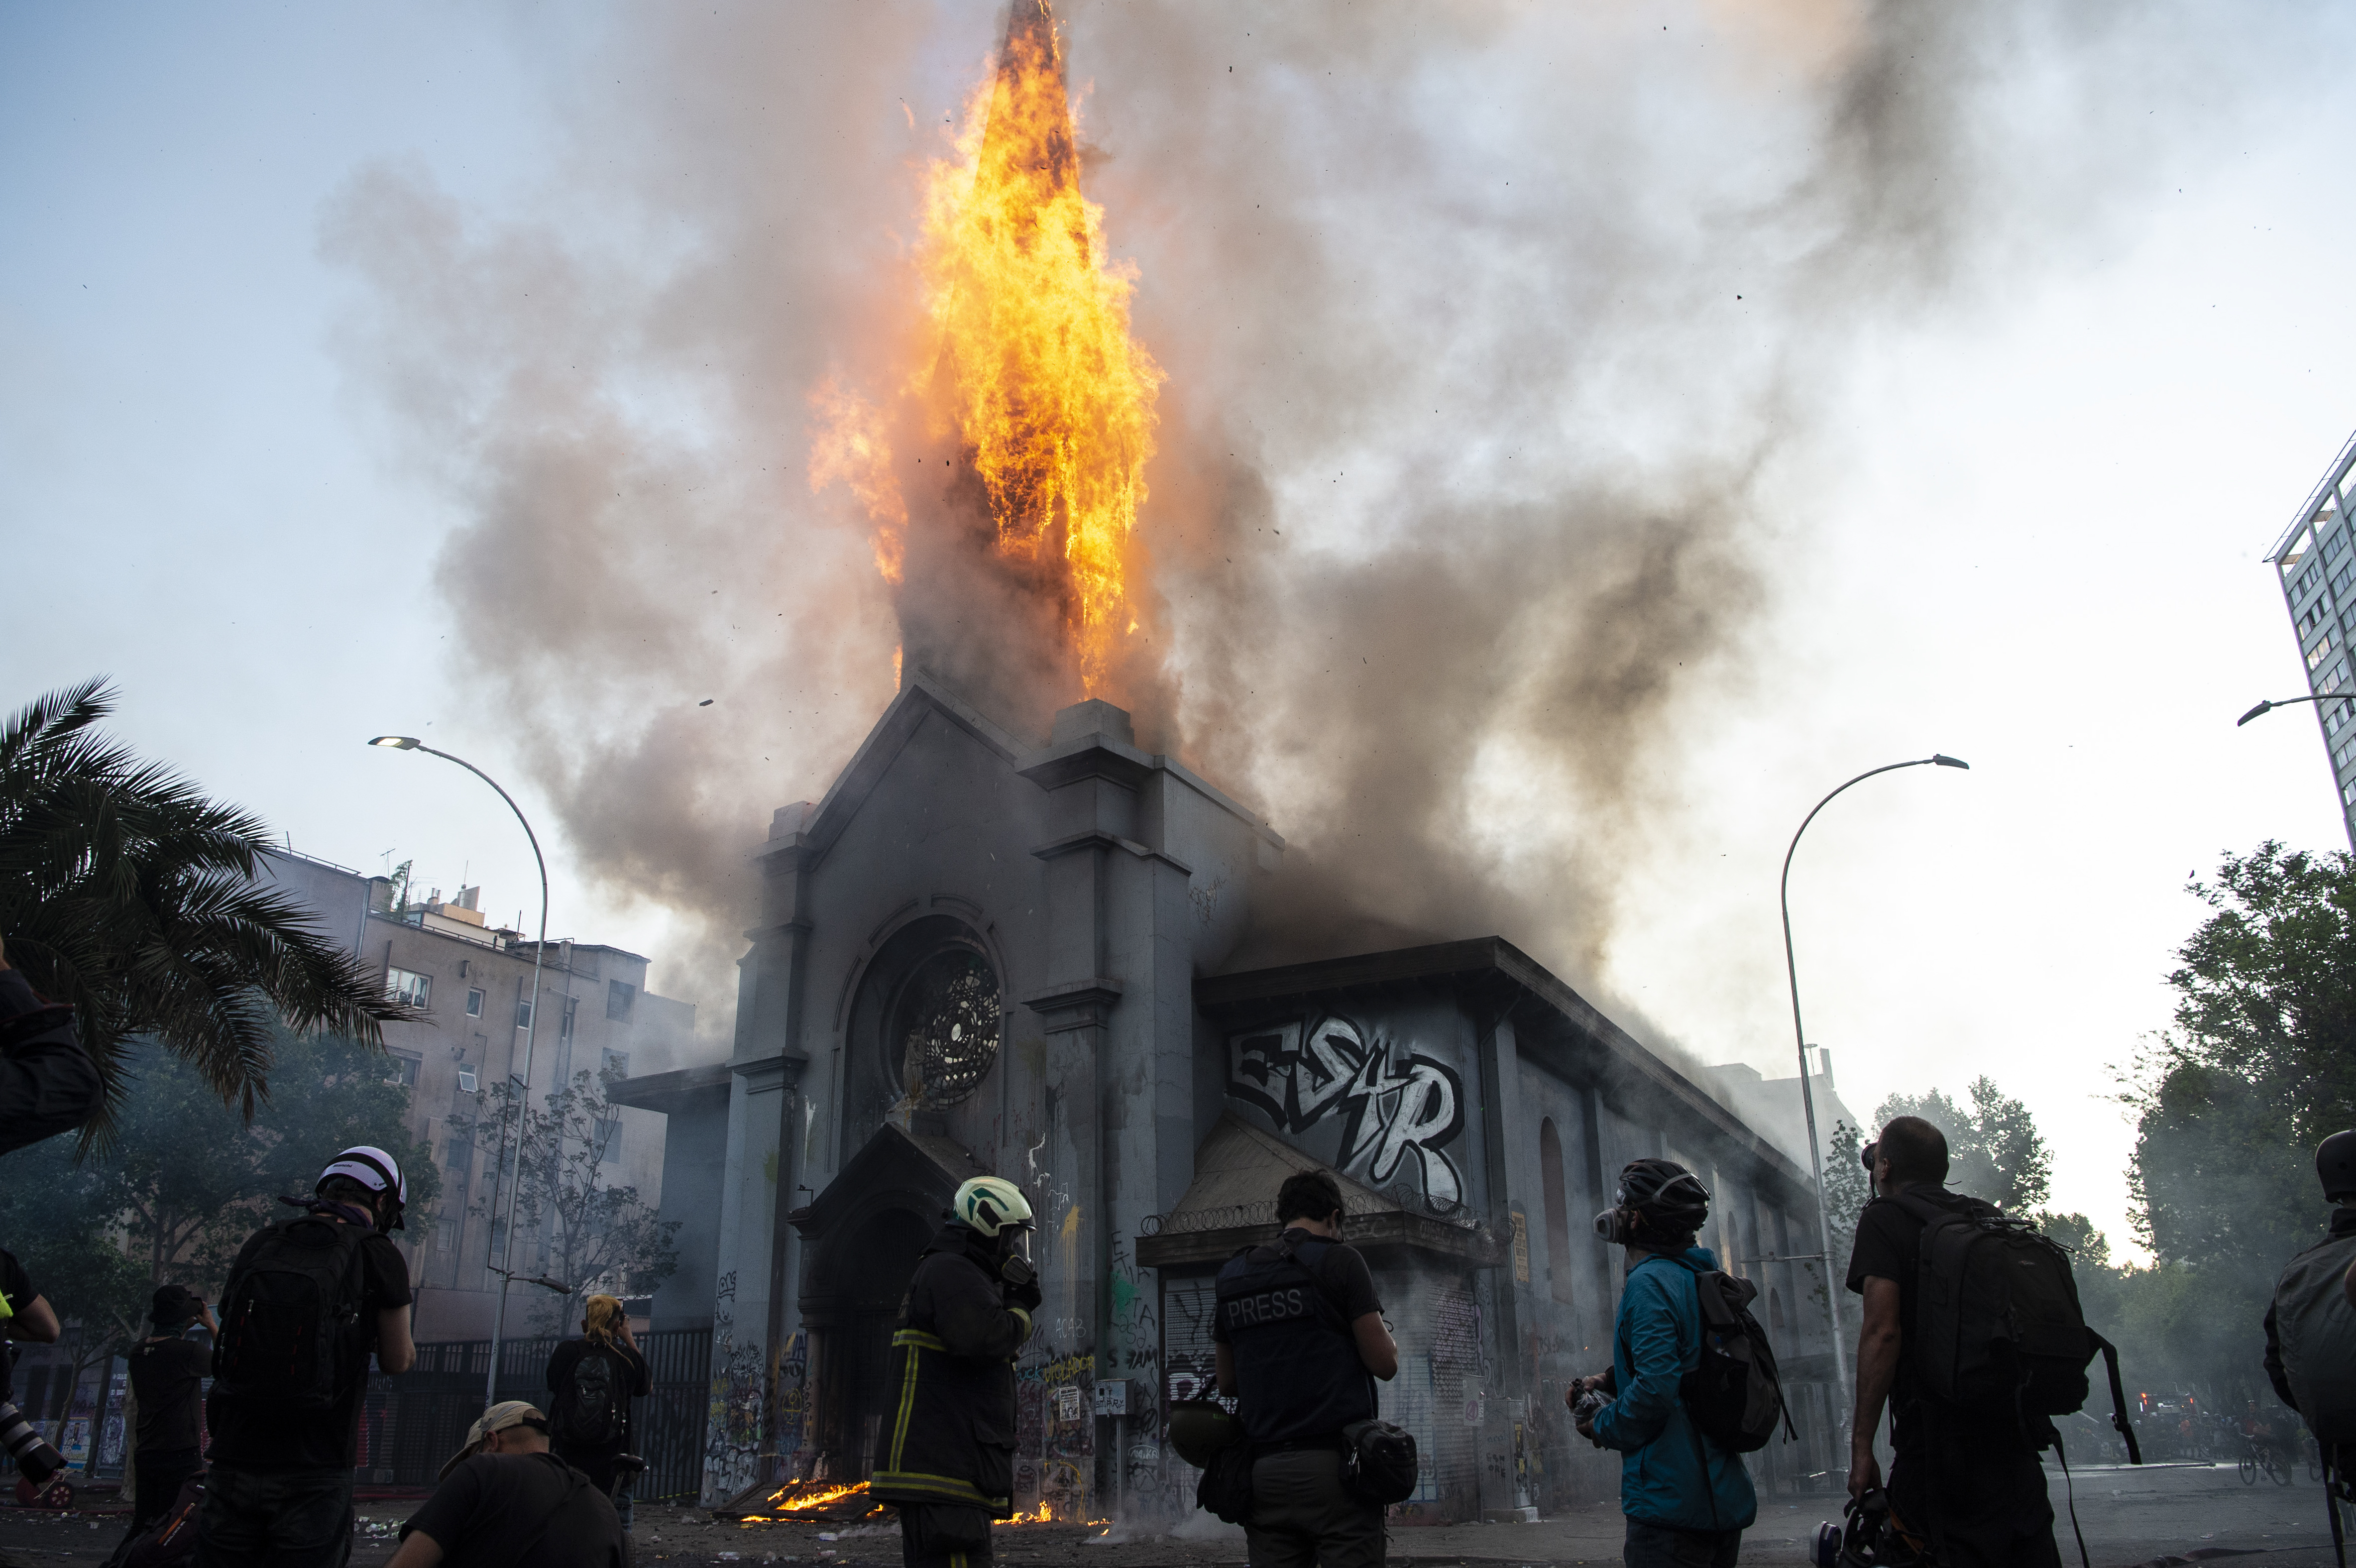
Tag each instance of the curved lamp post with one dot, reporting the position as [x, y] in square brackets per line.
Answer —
[1807, 1095]
[530, 1030]
[2269, 706]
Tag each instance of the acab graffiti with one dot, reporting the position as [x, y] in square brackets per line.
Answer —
[1396, 1103]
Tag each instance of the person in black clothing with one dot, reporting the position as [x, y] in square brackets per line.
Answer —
[945, 1450]
[30, 1314]
[279, 1494]
[48, 1083]
[1298, 1343]
[168, 1370]
[504, 1501]
[2335, 1168]
[605, 1337]
[1973, 1486]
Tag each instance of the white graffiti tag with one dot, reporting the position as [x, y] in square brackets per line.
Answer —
[1395, 1103]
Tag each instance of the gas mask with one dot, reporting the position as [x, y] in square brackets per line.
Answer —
[1615, 1226]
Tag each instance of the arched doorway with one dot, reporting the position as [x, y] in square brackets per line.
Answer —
[1558, 1212]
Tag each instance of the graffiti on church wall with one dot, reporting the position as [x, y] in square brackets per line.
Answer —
[1400, 1109]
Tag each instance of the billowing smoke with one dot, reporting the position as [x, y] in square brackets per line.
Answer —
[1498, 338]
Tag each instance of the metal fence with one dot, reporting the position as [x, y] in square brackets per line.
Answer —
[414, 1422]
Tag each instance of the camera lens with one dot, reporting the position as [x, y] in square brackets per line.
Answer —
[1865, 1155]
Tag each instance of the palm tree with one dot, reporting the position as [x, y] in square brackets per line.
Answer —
[127, 893]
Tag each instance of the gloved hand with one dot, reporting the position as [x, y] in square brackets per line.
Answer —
[1021, 1283]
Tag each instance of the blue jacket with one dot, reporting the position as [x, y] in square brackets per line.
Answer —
[1656, 1340]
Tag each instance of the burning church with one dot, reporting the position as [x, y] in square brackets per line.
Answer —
[988, 953]
[1013, 940]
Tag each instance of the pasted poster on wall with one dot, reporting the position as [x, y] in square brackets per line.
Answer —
[1399, 1108]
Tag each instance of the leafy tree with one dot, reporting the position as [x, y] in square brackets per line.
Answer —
[1994, 1149]
[576, 1228]
[1846, 1192]
[126, 892]
[188, 1179]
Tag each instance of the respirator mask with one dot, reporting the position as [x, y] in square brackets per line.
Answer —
[1614, 1227]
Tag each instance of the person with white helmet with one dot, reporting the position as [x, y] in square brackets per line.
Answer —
[308, 1300]
[945, 1451]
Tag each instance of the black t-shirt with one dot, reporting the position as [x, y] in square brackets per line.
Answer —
[493, 1507]
[166, 1376]
[1343, 1274]
[1887, 1239]
[273, 1439]
[630, 1368]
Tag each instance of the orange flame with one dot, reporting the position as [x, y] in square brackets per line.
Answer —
[1028, 359]
[811, 1497]
[851, 446]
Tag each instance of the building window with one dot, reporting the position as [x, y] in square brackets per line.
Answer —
[2304, 584]
[465, 1078]
[2333, 679]
[523, 1012]
[444, 1235]
[946, 1026]
[620, 995]
[406, 985]
[2324, 647]
[2336, 546]
[402, 1069]
[473, 1001]
[2341, 578]
[564, 1023]
[2348, 794]
[617, 1064]
[2313, 614]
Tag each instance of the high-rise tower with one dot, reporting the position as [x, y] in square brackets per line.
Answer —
[2317, 560]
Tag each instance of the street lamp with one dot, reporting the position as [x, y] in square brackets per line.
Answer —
[2269, 706]
[530, 1030]
[1807, 1095]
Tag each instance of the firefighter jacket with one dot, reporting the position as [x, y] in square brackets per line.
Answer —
[949, 1433]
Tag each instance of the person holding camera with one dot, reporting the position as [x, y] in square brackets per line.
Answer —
[1687, 1500]
[1298, 1343]
[1970, 1479]
[593, 1380]
[167, 1371]
[308, 1299]
[945, 1451]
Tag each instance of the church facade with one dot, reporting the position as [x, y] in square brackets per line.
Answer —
[984, 952]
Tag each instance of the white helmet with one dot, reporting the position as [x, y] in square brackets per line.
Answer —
[988, 1204]
[373, 1169]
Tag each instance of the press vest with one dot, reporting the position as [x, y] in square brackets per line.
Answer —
[1297, 1368]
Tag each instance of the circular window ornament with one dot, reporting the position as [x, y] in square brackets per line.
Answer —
[948, 1026]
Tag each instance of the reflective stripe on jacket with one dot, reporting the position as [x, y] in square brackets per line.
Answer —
[949, 1434]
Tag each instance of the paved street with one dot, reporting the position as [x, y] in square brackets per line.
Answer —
[2129, 1516]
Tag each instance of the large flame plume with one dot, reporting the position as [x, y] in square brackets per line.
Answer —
[1025, 363]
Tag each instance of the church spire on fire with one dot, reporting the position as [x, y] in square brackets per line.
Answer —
[984, 951]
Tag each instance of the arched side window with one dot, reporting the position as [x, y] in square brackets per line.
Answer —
[1774, 1311]
[1558, 1212]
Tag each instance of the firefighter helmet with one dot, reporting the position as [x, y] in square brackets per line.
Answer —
[988, 1204]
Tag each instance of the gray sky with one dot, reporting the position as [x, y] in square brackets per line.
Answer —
[1998, 474]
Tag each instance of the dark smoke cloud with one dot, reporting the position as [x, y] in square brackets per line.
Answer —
[1498, 341]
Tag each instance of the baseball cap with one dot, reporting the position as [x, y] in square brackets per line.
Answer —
[499, 1418]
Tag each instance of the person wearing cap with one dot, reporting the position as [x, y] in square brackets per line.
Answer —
[504, 1501]
[168, 1370]
[286, 1427]
[2310, 1334]
[1687, 1499]
[48, 1083]
[945, 1454]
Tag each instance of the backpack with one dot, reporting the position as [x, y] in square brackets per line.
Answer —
[2318, 1330]
[1734, 1393]
[591, 1407]
[1997, 1328]
[289, 1322]
[171, 1541]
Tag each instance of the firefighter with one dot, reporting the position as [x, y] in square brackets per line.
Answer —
[946, 1451]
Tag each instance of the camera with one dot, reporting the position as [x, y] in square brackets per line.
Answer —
[35, 1458]
[1865, 1155]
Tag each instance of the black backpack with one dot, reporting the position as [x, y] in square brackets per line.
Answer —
[1733, 1395]
[1997, 1328]
[593, 1405]
[289, 1322]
